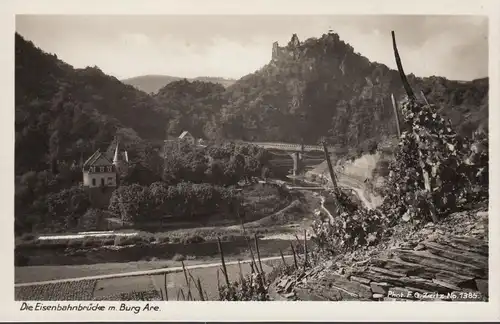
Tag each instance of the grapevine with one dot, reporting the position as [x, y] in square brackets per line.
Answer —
[434, 172]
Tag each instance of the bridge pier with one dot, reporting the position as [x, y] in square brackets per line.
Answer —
[298, 166]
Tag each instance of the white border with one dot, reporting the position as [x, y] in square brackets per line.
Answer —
[217, 311]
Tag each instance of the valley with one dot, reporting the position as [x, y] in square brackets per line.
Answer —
[318, 162]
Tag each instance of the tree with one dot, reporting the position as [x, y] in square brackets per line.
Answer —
[131, 203]
[66, 206]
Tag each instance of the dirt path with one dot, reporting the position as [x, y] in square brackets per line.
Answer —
[369, 200]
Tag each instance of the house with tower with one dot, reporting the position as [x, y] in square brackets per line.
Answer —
[101, 174]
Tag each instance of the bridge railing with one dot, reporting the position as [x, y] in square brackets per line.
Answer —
[290, 146]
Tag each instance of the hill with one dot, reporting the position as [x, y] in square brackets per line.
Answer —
[153, 83]
[323, 88]
[62, 113]
[309, 90]
[193, 106]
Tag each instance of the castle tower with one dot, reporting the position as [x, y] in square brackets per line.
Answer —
[294, 42]
[275, 51]
[117, 160]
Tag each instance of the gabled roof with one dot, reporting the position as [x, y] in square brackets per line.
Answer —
[94, 157]
[184, 134]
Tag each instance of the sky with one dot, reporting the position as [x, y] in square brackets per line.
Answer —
[455, 47]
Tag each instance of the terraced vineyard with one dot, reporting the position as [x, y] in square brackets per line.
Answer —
[72, 290]
[426, 265]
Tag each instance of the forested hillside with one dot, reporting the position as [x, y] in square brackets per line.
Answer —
[65, 114]
[192, 105]
[153, 83]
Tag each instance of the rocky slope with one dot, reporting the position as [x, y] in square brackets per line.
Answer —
[445, 261]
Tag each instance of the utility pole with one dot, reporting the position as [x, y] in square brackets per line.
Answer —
[396, 114]
[330, 169]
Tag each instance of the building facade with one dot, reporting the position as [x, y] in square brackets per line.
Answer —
[101, 175]
[99, 171]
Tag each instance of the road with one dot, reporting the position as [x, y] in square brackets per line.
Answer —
[369, 200]
[168, 281]
[143, 272]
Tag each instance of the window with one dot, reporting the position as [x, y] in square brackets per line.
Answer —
[92, 169]
[110, 179]
[102, 181]
[102, 169]
[109, 169]
[93, 182]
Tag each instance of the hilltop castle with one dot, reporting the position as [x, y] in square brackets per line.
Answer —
[295, 48]
[285, 51]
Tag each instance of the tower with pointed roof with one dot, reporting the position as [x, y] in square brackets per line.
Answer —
[117, 161]
[120, 159]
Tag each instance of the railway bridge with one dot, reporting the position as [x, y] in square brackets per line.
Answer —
[302, 156]
[296, 156]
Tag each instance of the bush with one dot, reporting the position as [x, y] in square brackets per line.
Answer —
[92, 242]
[91, 219]
[228, 164]
[108, 242]
[67, 206]
[194, 239]
[163, 239]
[129, 240]
[178, 257]
[430, 155]
[253, 287]
[75, 243]
[137, 204]
[353, 227]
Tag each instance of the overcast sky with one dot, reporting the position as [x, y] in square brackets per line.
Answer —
[232, 46]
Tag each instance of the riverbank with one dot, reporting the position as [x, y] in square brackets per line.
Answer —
[147, 251]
